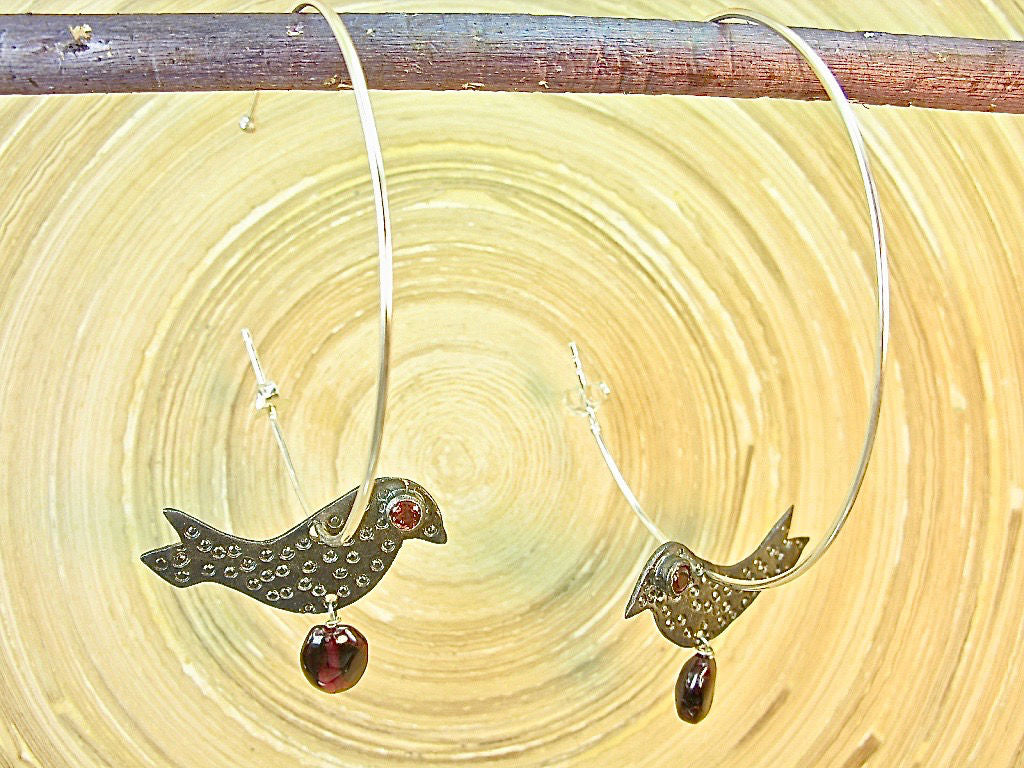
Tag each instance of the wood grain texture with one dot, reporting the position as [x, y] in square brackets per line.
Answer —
[498, 52]
[712, 259]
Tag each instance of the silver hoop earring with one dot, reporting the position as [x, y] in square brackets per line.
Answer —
[339, 553]
[692, 599]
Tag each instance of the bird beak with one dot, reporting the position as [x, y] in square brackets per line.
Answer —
[634, 606]
[439, 537]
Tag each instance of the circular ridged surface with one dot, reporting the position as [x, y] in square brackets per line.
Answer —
[711, 259]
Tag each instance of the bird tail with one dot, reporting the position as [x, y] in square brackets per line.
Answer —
[181, 564]
[777, 548]
[778, 535]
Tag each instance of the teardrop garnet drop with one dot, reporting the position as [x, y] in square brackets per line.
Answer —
[695, 688]
[333, 658]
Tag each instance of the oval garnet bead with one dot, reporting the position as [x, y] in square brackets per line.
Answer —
[695, 688]
[334, 658]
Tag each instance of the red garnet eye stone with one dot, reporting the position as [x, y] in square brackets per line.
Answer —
[334, 658]
[680, 578]
[405, 515]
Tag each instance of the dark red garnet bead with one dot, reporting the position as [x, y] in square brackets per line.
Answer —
[680, 579]
[695, 688]
[334, 658]
[405, 515]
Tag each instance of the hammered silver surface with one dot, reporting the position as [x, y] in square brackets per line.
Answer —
[705, 608]
[292, 571]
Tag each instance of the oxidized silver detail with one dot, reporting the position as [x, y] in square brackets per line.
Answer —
[290, 588]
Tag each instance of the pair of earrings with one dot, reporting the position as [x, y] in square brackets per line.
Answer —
[339, 553]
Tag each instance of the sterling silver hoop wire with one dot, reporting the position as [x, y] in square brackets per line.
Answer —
[846, 114]
[386, 271]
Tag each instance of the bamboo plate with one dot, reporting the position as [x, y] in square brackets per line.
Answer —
[712, 260]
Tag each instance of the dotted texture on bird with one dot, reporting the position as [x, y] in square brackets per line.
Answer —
[711, 258]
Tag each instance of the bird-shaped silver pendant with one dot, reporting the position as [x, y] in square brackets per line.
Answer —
[296, 572]
[691, 609]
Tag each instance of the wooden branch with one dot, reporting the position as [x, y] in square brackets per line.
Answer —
[497, 52]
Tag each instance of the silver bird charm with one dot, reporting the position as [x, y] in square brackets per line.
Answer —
[293, 571]
[689, 608]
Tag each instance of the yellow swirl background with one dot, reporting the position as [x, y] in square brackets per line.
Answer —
[712, 260]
